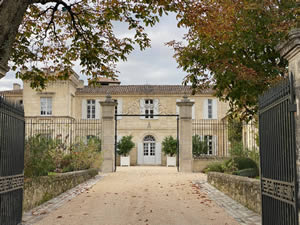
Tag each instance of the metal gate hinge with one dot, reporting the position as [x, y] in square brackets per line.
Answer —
[292, 108]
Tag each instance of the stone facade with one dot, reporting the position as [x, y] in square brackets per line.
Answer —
[242, 189]
[69, 99]
[41, 189]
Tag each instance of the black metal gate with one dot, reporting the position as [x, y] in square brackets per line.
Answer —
[12, 129]
[138, 115]
[279, 186]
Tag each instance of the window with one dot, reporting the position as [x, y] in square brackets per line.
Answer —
[149, 108]
[209, 108]
[91, 109]
[209, 140]
[149, 146]
[46, 106]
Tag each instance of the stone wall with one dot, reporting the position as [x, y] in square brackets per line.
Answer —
[38, 190]
[199, 164]
[242, 189]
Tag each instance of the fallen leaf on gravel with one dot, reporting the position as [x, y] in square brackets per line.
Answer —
[59, 217]
[146, 220]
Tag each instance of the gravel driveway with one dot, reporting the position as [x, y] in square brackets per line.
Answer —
[142, 195]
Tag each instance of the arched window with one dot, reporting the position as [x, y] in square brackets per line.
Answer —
[149, 146]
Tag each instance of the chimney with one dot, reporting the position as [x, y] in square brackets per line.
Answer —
[16, 86]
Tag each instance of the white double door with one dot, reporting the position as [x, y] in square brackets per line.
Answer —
[149, 153]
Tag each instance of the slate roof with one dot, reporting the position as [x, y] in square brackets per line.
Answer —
[139, 90]
[128, 90]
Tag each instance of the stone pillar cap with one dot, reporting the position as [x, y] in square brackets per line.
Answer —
[287, 46]
[108, 98]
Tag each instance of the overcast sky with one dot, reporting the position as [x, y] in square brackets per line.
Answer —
[154, 65]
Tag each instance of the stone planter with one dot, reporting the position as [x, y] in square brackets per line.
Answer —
[125, 161]
[171, 161]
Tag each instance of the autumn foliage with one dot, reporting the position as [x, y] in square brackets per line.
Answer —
[57, 33]
[230, 46]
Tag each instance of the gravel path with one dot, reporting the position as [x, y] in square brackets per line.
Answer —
[142, 195]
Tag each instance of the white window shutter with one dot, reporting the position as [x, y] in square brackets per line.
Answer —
[215, 145]
[140, 154]
[193, 109]
[177, 108]
[120, 106]
[215, 109]
[97, 112]
[142, 108]
[156, 108]
[158, 153]
[205, 109]
[84, 109]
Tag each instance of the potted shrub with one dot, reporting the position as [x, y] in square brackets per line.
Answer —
[124, 147]
[169, 147]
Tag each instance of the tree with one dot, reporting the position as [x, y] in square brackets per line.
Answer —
[57, 33]
[125, 145]
[169, 146]
[231, 48]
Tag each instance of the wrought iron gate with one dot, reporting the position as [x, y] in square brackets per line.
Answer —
[12, 128]
[279, 186]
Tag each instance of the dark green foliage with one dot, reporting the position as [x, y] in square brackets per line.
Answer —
[215, 167]
[239, 163]
[125, 145]
[44, 155]
[235, 131]
[38, 161]
[200, 147]
[169, 146]
[250, 172]
[237, 150]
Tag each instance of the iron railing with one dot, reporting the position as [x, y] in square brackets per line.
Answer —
[68, 130]
[221, 137]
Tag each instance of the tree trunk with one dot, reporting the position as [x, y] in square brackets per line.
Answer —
[11, 16]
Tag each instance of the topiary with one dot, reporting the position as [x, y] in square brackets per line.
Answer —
[239, 163]
[169, 146]
[125, 145]
[250, 172]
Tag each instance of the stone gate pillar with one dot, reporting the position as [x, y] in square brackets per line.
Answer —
[108, 134]
[290, 50]
[185, 135]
